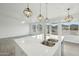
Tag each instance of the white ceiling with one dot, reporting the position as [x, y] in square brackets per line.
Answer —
[11, 14]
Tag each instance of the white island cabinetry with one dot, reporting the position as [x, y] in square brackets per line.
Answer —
[32, 46]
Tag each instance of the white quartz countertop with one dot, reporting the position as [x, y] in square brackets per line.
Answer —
[32, 46]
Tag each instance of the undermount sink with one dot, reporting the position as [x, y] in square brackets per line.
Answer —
[49, 42]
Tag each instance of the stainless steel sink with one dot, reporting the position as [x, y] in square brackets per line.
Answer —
[49, 42]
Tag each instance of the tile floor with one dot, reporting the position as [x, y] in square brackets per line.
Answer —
[71, 49]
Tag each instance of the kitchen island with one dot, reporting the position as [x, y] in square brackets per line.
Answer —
[32, 46]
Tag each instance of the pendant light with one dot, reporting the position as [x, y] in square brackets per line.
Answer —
[40, 16]
[69, 17]
[27, 11]
[46, 11]
[46, 18]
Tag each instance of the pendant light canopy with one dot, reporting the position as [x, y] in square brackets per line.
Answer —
[27, 11]
[40, 16]
[69, 17]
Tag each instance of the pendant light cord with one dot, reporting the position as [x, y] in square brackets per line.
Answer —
[46, 10]
[27, 5]
[40, 8]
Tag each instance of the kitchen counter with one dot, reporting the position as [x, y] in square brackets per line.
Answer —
[32, 46]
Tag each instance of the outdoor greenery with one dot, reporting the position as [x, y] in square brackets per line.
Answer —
[72, 27]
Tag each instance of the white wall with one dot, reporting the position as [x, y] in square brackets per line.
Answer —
[13, 31]
[10, 21]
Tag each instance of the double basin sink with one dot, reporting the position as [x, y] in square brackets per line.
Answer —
[49, 42]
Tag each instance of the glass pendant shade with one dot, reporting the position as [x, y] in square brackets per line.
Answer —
[69, 17]
[27, 12]
[40, 17]
[46, 18]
